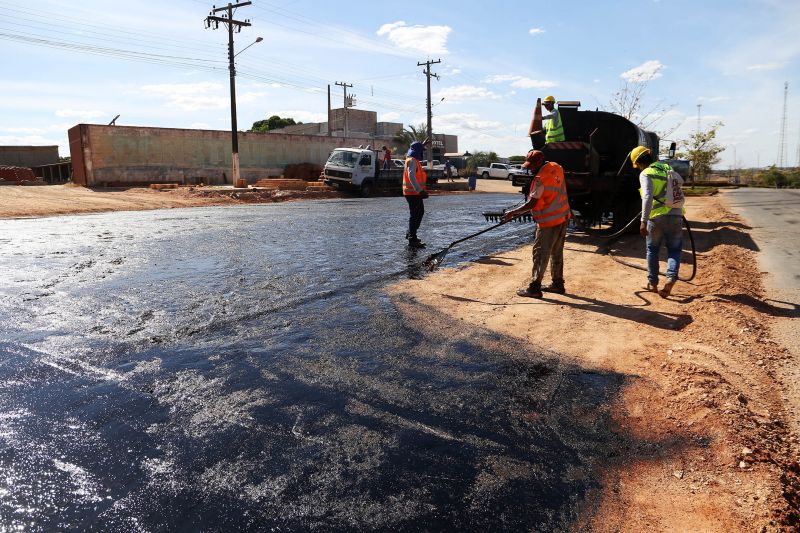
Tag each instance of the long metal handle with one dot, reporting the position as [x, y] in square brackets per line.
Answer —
[476, 234]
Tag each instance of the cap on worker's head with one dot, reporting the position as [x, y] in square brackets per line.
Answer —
[415, 150]
[637, 152]
[549, 99]
[534, 159]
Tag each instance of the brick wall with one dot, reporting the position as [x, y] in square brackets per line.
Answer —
[117, 155]
[28, 156]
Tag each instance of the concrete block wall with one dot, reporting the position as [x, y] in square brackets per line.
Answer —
[28, 156]
[129, 155]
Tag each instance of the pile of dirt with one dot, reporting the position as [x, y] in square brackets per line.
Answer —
[708, 446]
[303, 171]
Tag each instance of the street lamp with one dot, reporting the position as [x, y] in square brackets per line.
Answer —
[258, 40]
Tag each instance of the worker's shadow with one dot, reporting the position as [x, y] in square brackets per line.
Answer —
[635, 313]
[782, 310]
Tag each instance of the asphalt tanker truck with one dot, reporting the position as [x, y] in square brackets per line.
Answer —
[601, 183]
[359, 170]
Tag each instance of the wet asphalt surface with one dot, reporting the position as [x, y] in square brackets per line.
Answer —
[222, 369]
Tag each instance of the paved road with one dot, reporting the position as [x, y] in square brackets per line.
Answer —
[241, 369]
[774, 216]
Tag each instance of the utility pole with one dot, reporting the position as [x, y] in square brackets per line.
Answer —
[698, 117]
[428, 75]
[212, 20]
[330, 125]
[344, 85]
[782, 138]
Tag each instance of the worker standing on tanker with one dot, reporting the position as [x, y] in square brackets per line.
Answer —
[549, 206]
[414, 191]
[552, 121]
[662, 216]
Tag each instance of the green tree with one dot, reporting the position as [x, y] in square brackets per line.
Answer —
[406, 136]
[774, 178]
[480, 159]
[702, 151]
[272, 123]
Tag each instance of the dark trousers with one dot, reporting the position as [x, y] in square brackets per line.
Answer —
[416, 208]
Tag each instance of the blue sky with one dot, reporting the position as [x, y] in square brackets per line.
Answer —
[155, 64]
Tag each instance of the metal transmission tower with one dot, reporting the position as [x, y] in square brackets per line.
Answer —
[348, 102]
[782, 138]
[213, 21]
[429, 133]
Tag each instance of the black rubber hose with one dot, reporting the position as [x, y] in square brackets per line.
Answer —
[613, 237]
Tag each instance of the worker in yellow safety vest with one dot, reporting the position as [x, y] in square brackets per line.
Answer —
[549, 205]
[414, 191]
[662, 216]
[553, 126]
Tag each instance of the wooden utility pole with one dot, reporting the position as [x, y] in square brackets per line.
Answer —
[344, 85]
[429, 133]
[212, 20]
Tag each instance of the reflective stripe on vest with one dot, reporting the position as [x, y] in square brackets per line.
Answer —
[422, 178]
[552, 208]
[554, 134]
[658, 173]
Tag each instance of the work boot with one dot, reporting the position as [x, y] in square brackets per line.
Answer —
[415, 243]
[534, 290]
[652, 287]
[556, 287]
[667, 288]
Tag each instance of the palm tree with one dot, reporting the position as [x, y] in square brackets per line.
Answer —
[406, 136]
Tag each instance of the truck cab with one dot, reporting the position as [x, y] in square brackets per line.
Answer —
[359, 170]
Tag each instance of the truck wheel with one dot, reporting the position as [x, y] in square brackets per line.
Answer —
[485, 175]
[366, 189]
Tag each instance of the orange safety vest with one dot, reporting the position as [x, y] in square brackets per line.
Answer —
[422, 178]
[552, 207]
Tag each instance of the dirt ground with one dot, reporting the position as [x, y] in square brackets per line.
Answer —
[710, 445]
[51, 200]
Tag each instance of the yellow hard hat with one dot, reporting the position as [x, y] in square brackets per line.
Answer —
[637, 152]
[549, 99]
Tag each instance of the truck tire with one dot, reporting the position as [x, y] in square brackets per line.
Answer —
[485, 175]
[366, 189]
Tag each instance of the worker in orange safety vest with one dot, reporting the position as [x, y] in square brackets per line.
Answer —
[414, 191]
[549, 206]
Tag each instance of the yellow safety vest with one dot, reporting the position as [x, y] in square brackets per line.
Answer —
[554, 134]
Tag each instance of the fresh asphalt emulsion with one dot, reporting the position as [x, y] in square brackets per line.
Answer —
[233, 368]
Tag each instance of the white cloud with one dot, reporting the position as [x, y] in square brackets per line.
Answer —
[766, 66]
[536, 31]
[520, 82]
[528, 83]
[425, 39]
[462, 93]
[390, 117]
[501, 78]
[649, 70]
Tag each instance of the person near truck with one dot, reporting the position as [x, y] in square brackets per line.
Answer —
[448, 170]
[662, 216]
[387, 158]
[548, 203]
[551, 121]
[414, 191]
